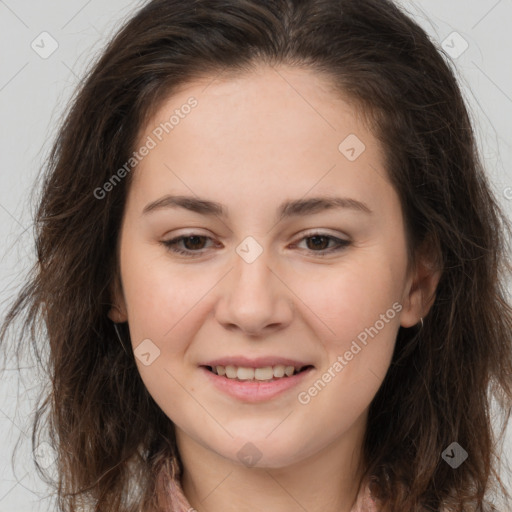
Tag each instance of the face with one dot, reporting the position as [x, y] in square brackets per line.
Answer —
[298, 259]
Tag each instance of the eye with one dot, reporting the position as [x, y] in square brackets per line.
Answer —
[194, 244]
[318, 243]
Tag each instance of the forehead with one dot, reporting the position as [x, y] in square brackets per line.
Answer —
[264, 96]
[266, 128]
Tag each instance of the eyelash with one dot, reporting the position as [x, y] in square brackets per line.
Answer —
[171, 244]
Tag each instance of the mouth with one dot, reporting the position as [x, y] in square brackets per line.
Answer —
[262, 374]
[256, 384]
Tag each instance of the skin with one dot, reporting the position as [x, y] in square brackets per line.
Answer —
[254, 141]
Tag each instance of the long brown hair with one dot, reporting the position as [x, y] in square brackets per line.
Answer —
[107, 431]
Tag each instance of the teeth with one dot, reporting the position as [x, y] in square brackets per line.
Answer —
[245, 373]
[265, 373]
[289, 370]
[279, 371]
[230, 372]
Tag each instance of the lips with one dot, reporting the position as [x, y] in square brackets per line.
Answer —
[259, 388]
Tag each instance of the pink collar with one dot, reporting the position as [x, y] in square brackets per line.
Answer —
[169, 481]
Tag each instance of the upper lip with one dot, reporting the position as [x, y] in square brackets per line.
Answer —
[259, 362]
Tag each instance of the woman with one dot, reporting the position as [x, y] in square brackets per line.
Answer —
[271, 269]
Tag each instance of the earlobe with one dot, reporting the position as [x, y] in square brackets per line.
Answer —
[117, 315]
[117, 312]
[421, 293]
[411, 311]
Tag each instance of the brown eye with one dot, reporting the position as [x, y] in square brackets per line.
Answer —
[192, 244]
[319, 243]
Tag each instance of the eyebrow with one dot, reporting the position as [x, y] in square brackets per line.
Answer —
[292, 208]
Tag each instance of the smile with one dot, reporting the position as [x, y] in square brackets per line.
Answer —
[255, 384]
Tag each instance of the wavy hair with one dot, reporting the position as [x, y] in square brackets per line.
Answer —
[443, 383]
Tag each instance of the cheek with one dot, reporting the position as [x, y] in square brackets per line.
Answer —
[362, 310]
[163, 310]
[359, 305]
[353, 296]
[159, 299]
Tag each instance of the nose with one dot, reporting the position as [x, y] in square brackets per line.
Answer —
[254, 299]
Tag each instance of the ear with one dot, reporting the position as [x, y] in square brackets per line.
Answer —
[117, 312]
[421, 285]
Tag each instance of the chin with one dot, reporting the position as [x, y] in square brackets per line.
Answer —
[260, 451]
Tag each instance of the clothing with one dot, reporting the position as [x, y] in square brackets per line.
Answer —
[171, 485]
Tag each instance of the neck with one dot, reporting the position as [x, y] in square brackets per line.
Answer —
[327, 480]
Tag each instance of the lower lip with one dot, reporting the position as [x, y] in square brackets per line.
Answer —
[254, 390]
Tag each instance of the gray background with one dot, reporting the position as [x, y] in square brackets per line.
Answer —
[33, 95]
